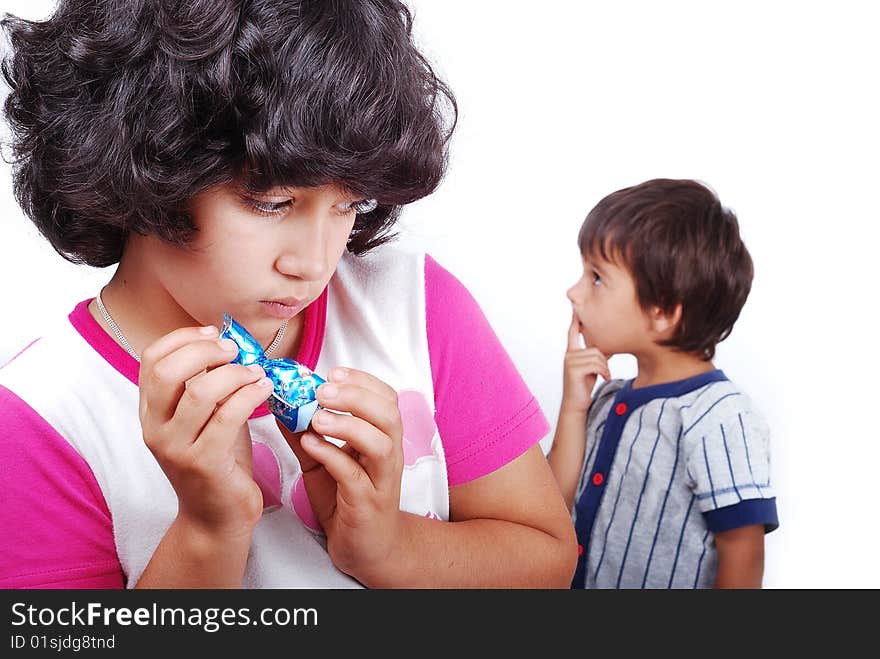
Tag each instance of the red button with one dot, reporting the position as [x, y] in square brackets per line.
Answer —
[620, 409]
[598, 479]
[580, 550]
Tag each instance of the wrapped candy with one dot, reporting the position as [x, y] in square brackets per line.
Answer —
[294, 399]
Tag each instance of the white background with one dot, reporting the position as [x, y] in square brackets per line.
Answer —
[773, 104]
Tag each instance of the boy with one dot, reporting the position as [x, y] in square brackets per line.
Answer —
[672, 487]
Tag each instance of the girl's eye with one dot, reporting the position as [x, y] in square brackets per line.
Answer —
[276, 208]
[596, 278]
[267, 207]
[361, 207]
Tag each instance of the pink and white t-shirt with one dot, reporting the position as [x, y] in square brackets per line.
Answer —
[85, 504]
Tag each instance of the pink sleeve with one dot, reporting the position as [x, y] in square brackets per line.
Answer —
[56, 526]
[484, 411]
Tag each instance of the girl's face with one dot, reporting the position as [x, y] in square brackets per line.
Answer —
[252, 249]
[605, 302]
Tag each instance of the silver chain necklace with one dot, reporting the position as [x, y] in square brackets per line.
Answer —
[131, 351]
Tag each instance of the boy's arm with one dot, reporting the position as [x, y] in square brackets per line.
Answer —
[566, 455]
[729, 470]
[581, 368]
[740, 557]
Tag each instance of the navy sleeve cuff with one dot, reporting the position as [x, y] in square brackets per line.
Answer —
[744, 513]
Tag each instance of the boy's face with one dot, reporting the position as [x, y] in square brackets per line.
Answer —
[604, 300]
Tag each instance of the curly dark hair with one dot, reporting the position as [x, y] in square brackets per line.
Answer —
[122, 110]
[681, 247]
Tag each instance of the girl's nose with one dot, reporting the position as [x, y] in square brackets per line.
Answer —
[308, 264]
[306, 253]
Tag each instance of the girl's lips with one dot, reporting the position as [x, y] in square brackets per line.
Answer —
[286, 301]
[278, 310]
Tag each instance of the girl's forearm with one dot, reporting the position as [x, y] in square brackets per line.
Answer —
[478, 553]
[191, 557]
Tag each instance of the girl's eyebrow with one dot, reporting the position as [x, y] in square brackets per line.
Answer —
[279, 191]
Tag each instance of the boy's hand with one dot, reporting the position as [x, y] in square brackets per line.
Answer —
[354, 490]
[194, 407]
[581, 368]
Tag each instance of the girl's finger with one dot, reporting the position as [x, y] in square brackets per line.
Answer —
[366, 404]
[171, 342]
[220, 432]
[319, 484]
[343, 375]
[243, 449]
[174, 340]
[376, 449]
[306, 462]
[162, 382]
[353, 484]
[206, 392]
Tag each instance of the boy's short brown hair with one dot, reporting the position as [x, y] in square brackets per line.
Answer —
[681, 247]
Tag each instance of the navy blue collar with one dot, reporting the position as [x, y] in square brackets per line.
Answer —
[637, 397]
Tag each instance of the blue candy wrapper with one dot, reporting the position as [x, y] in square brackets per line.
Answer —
[294, 399]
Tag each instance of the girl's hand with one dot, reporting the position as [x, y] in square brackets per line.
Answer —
[194, 407]
[581, 368]
[354, 490]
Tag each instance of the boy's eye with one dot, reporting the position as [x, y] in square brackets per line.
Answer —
[361, 207]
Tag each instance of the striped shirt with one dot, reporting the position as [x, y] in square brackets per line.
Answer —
[666, 467]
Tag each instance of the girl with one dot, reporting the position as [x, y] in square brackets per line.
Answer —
[243, 157]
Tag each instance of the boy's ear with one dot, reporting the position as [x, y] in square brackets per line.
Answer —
[664, 322]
